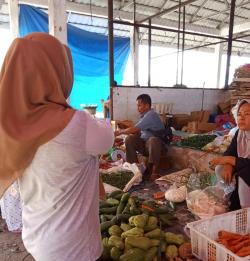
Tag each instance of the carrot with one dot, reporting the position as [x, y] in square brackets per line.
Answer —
[237, 247]
[147, 208]
[158, 195]
[226, 234]
[244, 251]
[238, 244]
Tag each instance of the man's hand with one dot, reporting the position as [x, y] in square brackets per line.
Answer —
[227, 173]
[117, 133]
[128, 131]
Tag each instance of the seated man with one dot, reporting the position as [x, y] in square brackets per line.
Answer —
[141, 139]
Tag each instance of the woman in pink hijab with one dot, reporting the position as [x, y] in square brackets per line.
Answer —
[52, 151]
[236, 160]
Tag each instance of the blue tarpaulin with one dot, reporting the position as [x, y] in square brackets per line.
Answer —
[90, 57]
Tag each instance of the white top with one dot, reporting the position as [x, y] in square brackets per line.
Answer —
[60, 193]
[11, 209]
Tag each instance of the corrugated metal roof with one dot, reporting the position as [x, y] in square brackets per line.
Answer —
[206, 16]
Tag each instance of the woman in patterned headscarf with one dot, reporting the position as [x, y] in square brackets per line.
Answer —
[52, 150]
[236, 160]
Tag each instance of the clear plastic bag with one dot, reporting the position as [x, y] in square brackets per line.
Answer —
[205, 198]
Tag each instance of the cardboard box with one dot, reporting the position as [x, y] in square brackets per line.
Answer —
[204, 127]
[192, 127]
[200, 127]
[180, 120]
[200, 115]
[225, 107]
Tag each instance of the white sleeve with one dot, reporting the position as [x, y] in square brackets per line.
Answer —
[99, 136]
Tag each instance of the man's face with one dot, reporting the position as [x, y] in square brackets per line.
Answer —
[243, 117]
[142, 107]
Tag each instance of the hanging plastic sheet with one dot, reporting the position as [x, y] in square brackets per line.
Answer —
[90, 57]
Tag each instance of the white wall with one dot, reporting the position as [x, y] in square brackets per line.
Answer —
[184, 100]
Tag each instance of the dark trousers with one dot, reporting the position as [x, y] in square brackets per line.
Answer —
[153, 148]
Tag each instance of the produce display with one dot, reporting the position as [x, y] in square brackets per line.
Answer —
[117, 179]
[216, 147]
[132, 230]
[238, 244]
[197, 141]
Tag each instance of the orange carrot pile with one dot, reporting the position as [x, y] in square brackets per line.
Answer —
[238, 244]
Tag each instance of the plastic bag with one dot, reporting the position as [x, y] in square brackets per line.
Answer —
[137, 179]
[208, 202]
[175, 194]
[228, 188]
[200, 180]
[205, 198]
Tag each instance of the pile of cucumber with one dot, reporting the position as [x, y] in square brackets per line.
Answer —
[131, 227]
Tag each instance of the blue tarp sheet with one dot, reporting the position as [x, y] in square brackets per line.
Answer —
[90, 57]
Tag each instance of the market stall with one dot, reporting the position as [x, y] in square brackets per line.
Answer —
[187, 192]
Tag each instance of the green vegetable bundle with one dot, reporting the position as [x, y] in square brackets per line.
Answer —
[118, 179]
[197, 141]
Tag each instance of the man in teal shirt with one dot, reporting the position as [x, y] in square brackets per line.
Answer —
[141, 140]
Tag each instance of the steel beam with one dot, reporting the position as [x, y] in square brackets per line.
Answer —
[218, 12]
[183, 42]
[111, 54]
[166, 11]
[197, 11]
[176, 31]
[230, 37]
[163, 5]
[149, 53]
[238, 28]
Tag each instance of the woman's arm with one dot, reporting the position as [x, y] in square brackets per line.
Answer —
[229, 156]
[99, 136]
[102, 194]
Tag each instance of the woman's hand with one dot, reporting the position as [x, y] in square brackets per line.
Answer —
[227, 173]
[223, 160]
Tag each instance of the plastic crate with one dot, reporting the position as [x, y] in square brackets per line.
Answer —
[204, 233]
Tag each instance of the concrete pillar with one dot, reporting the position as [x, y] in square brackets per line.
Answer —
[14, 17]
[58, 19]
[218, 53]
[134, 40]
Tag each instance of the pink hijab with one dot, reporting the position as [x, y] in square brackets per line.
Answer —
[35, 80]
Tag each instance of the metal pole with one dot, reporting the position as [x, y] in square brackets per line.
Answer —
[183, 41]
[230, 37]
[149, 53]
[111, 54]
[176, 31]
[135, 46]
[178, 44]
[218, 42]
